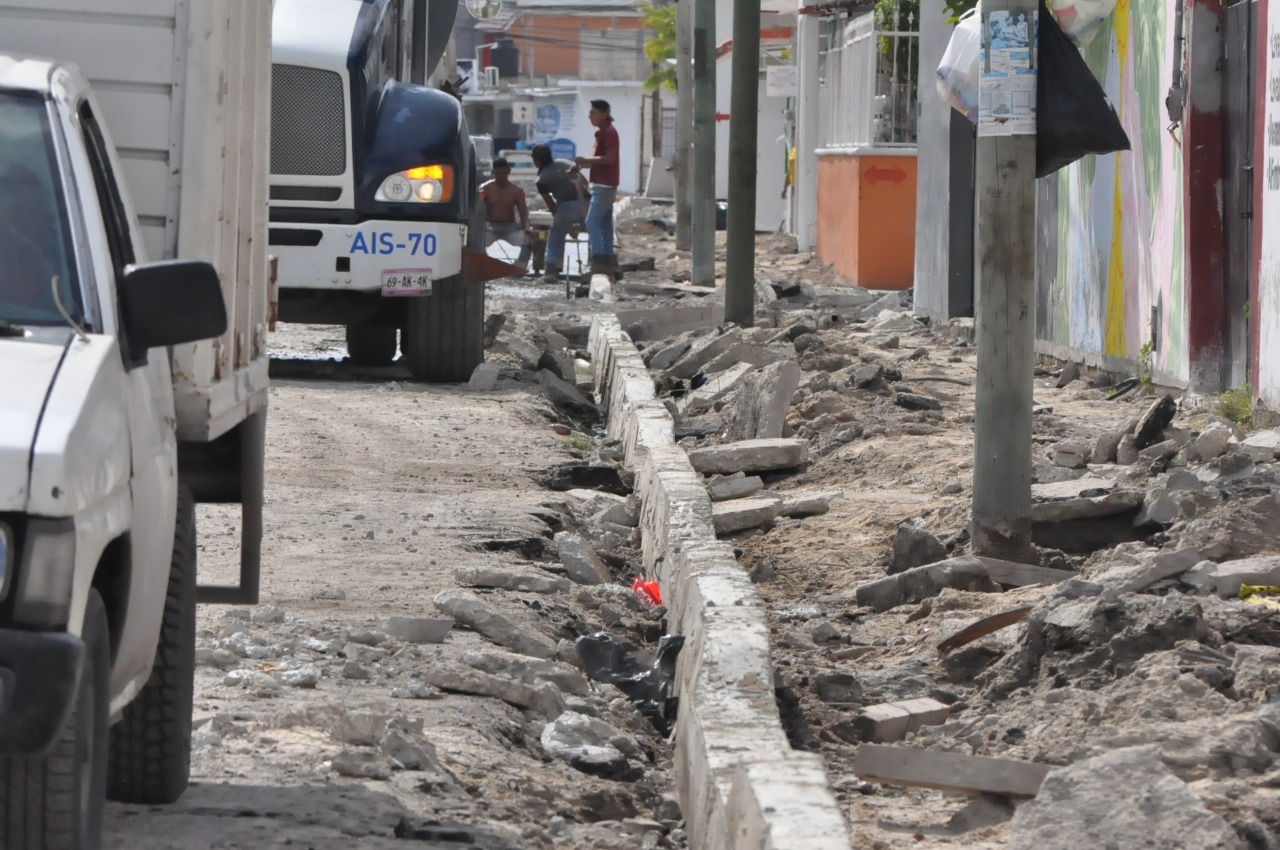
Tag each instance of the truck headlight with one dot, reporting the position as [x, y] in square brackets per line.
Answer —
[6, 558]
[426, 184]
[42, 598]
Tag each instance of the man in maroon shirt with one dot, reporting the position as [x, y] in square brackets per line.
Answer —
[603, 164]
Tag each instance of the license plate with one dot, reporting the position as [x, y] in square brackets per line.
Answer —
[401, 282]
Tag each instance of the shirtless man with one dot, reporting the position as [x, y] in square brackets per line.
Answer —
[503, 201]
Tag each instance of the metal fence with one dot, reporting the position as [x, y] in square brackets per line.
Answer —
[869, 70]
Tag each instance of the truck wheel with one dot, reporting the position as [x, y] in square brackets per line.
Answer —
[56, 802]
[151, 745]
[371, 344]
[445, 332]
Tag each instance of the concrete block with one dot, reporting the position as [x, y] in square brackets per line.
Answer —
[741, 514]
[889, 722]
[743, 352]
[1224, 579]
[750, 456]
[716, 386]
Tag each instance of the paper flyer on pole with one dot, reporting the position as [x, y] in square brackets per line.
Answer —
[1007, 79]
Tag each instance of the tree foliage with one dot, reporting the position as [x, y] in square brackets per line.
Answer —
[660, 48]
[956, 8]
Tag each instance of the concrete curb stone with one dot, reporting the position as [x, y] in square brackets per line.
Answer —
[741, 785]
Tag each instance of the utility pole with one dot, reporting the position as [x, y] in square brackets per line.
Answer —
[740, 274]
[1006, 305]
[704, 143]
[684, 124]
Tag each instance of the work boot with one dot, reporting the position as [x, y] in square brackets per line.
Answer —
[600, 264]
[615, 267]
[551, 273]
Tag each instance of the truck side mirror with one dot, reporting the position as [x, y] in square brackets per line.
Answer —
[171, 302]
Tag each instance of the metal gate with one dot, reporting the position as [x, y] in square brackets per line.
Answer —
[1239, 88]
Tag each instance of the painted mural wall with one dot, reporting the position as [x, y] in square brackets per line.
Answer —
[1268, 306]
[1115, 262]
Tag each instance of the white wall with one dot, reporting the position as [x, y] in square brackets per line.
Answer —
[771, 152]
[1268, 364]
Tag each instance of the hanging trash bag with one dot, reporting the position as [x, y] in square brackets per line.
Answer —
[958, 71]
[1074, 117]
[1080, 20]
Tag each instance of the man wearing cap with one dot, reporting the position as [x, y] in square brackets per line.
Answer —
[604, 171]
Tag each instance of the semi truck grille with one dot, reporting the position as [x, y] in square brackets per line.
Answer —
[308, 132]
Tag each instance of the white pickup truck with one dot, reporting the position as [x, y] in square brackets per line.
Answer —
[129, 390]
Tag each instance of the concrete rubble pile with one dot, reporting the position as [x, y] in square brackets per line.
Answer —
[1134, 667]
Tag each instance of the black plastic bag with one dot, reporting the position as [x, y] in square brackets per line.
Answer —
[1074, 118]
[607, 659]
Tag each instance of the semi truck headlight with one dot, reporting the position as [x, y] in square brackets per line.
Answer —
[43, 595]
[426, 184]
[6, 558]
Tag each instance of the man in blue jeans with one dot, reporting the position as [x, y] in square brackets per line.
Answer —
[605, 170]
[560, 185]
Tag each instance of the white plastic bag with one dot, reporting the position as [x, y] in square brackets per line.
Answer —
[1081, 19]
[958, 71]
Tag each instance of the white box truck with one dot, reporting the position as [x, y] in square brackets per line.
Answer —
[133, 384]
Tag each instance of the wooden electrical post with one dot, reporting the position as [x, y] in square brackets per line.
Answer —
[740, 272]
[1005, 309]
[704, 143]
[684, 124]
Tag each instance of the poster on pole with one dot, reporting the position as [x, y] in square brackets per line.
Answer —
[1007, 73]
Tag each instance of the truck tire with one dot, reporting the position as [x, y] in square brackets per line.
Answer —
[151, 744]
[445, 332]
[371, 344]
[56, 802]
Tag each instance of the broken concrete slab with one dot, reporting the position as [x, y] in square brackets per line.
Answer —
[527, 582]
[562, 393]
[419, 629]
[1013, 574]
[450, 676]
[760, 409]
[530, 671]
[1135, 578]
[1072, 454]
[1083, 498]
[1125, 798]
[666, 322]
[914, 546]
[743, 352]
[1225, 579]
[1151, 426]
[954, 772]
[469, 609]
[580, 559]
[1263, 441]
[750, 456]
[741, 514]
[702, 352]
[561, 364]
[739, 486]
[1212, 442]
[661, 358]
[1127, 450]
[963, 573]
[715, 386]
[1160, 451]
[484, 377]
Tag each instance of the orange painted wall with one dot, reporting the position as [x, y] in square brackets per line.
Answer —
[867, 218]
[552, 42]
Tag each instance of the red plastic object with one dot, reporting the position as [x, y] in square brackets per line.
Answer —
[648, 591]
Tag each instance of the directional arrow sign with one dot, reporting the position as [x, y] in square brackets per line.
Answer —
[875, 175]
